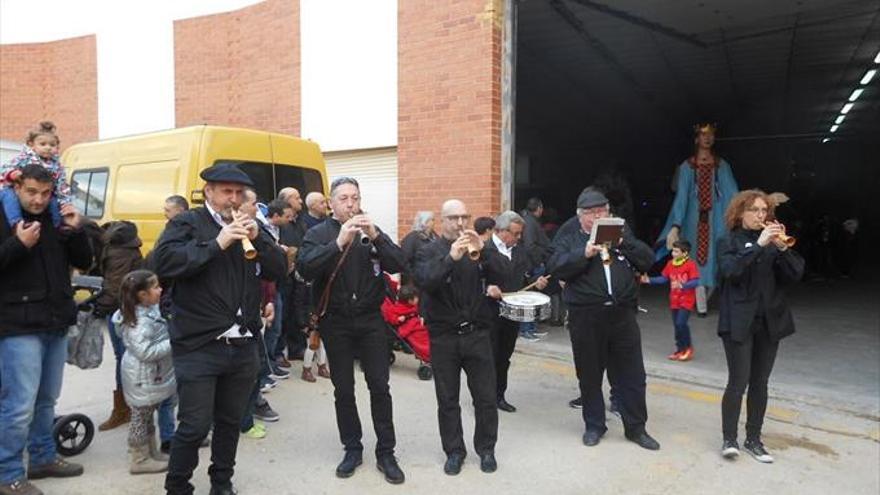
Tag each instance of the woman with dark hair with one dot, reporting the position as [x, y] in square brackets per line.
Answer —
[754, 265]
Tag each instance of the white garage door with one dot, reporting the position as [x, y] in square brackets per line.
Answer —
[376, 172]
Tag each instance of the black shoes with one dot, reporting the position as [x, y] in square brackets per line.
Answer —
[506, 406]
[349, 463]
[226, 490]
[730, 449]
[576, 403]
[388, 466]
[757, 450]
[591, 438]
[453, 464]
[488, 464]
[644, 441]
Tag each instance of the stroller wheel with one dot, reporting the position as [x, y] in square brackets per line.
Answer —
[73, 433]
[425, 372]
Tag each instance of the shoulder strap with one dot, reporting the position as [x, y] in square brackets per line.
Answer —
[325, 296]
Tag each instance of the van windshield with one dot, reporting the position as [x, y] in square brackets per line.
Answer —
[270, 178]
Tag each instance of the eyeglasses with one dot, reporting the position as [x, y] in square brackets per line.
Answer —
[457, 218]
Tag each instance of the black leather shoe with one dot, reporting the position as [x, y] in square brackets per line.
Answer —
[488, 463]
[388, 466]
[453, 464]
[591, 438]
[349, 463]
[225, 490]
[644, 441]
[506, 406]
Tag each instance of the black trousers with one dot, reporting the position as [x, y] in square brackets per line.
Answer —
[609, 337]
[749, 363]
[504, 335]
[472, 352]
[213, 387]
[365, 337]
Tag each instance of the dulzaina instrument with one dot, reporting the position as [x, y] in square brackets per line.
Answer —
[250, 252]
[786, 239]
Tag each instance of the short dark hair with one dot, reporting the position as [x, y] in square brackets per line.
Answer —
[276, 207]
[407, 292]
[683, 245]
[343, 180]
[533, 204]
[482, 224]
[36, 172]
[178, 201]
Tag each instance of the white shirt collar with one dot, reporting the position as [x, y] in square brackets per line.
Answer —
[502, 248]
[216, 216]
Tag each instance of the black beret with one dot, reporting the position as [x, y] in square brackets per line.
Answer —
[226, 172]
[591, 198]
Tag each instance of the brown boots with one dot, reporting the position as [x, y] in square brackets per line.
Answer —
[307, 375]
[120, 415]
[323, 371]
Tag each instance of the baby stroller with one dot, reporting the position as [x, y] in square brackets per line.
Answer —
[405, 324]
[74, 432]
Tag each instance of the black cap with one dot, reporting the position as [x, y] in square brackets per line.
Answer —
[226, 172]
[591, 198]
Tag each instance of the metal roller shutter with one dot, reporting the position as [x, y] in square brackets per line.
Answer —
[376, 172]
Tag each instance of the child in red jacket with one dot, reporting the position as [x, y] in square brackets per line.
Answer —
[683, 276]
[403, 314]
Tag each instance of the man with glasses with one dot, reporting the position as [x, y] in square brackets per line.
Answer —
[602, 301]
[352, 323]
[515, 266]
[454, 296]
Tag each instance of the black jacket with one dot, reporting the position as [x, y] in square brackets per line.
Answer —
[35, 291]
[511, 274]
[585, 277]
[454, 292]
[211, 284]
[752, 278]
[535, 240]
[359, 287]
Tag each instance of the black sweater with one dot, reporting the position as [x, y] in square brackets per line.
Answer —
[211, 284]
[35, 291]
[752, 279]
[359, 287]
[454, 292]
[585, 277]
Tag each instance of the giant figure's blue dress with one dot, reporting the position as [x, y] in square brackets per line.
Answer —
[685, 212]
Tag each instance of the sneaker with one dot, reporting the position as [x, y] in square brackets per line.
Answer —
[756, 448]
[675, 356]
[267, 384]
[539, 334]
[256, 432]
[279, 374]
[687, 354]
[281, 362]
[730, 449]
[19, 487]
[576, 403]
[613, 408]
[59, 468]
[265, 412]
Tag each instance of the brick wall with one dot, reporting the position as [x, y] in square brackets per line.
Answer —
[449, 110]
[240, 68]
[54, 81]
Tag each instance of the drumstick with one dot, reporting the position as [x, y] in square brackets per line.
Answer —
[525, 288]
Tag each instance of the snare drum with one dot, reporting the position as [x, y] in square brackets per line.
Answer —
[525, 306]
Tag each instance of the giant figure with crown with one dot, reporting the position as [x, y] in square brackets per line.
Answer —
[704, 189]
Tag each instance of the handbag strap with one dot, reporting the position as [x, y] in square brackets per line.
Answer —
[325, 296]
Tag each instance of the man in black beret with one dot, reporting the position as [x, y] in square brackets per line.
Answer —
[602, 301]
[216, 315]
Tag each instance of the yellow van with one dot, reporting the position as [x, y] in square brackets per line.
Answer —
[128, 178]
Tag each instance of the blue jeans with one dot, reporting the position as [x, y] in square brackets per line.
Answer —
[272, 337]
[682, 330]
[12, 207]
[167, 424]
[31, 370]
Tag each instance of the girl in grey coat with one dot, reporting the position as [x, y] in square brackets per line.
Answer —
[147, 371]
